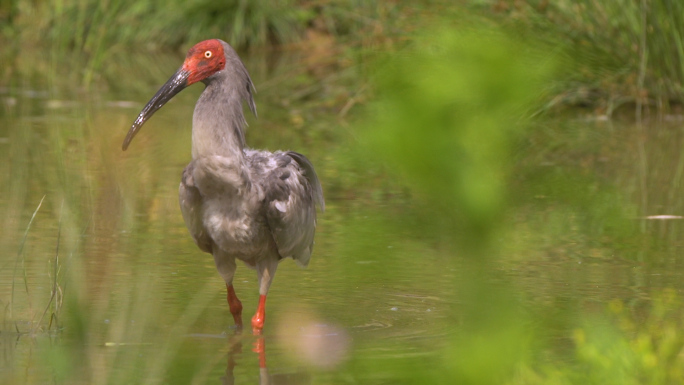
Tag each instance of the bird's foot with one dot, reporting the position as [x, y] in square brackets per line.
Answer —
[238, 328]
[260, 316]
[238, 321]
[258, 323]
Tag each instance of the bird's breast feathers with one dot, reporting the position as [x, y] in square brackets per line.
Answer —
[235, 227]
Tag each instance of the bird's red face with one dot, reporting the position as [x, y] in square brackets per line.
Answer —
[203, 60]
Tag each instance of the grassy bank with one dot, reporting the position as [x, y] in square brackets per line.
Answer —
[623, 52]
[619, 52]
[95, 35]
[96, 27]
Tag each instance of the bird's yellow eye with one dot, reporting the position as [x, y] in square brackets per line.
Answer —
[207, 54]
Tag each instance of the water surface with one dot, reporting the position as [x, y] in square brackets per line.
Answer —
[137, 302]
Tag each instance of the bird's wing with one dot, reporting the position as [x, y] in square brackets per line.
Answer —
[190, 201]
[291, 191]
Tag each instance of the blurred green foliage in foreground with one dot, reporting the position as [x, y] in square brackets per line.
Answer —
[452, 110]
[452, 105]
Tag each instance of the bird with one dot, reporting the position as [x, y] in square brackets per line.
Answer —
[238, 203]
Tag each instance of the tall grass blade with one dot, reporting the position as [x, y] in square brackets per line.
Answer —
[54, 277]
[20, 253]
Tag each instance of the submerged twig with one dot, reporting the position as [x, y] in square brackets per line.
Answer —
[19, 254]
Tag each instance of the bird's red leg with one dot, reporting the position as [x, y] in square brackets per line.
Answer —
[260, 316]
[235, 306]
[266, 269]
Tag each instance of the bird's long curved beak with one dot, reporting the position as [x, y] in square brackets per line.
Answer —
[173, 86]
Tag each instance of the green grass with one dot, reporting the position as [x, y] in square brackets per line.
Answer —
[618, 52]
[622, 51]
[92, 26]
[104, 32]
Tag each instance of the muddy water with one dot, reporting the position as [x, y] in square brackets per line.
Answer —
[104, 285]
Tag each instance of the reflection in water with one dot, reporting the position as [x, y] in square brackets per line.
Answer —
[299, 377]
[304, 336]
[235, 343]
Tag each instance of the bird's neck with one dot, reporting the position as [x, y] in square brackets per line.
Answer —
[218, 123]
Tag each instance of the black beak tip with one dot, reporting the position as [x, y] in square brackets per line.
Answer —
[173, 86]
[131, 133]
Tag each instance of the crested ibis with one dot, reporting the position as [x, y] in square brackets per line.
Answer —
[238, 203]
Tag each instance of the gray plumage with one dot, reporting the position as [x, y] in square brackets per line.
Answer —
[239, 203]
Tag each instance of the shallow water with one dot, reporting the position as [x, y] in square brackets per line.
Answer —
[138, 302]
